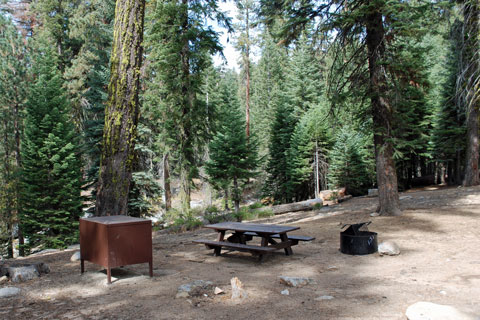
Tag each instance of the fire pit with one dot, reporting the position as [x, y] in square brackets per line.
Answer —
[358, 242]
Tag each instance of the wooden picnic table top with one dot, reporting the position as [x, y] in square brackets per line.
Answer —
[252, 227]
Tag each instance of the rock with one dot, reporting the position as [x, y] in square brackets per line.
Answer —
[182, 294]
[218, 290]
[75, 256]
[74, 247]
[323, 298]
[285, 292]
[25, 273]
[194, 288]
[405, 197]
[389, 248]
[431, 311]
[9, 292]
[295, 281]
[238, 293]
[374, 214]
[3, 279]
[373, 192]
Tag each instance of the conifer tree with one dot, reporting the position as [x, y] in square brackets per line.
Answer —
[233, 157]
[179, 48]
[51, 178]
[347, 166]
[13, 83]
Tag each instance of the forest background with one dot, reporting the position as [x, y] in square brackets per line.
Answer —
[355, 94]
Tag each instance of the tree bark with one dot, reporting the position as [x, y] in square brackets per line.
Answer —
[18, 161]
[166, 183]
[382, 117]
[122, 111]
[236, 194]
[471, 11]
[247, 74]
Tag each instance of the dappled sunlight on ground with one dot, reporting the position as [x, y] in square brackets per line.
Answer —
[439, 262]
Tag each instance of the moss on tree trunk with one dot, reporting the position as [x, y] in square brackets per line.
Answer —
[122, 111]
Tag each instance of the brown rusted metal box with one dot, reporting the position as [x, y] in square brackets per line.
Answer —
[114, 241]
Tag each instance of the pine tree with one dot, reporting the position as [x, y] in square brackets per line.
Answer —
[51, 178]
[13, 81]
[179, 49]
[347, 166]
[233, 157]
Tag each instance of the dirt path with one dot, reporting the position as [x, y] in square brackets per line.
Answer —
[440, 262]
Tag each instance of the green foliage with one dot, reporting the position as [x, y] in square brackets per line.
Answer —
[179, 45]
[233, 157]
[347, 167]
[51, 177]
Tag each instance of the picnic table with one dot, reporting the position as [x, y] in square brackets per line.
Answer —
[273, 237]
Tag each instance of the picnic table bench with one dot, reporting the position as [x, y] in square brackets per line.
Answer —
[243, 232]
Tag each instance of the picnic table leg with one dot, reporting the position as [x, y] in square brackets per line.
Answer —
[218, 250]
[288, 250]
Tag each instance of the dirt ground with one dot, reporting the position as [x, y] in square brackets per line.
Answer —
[438, 235]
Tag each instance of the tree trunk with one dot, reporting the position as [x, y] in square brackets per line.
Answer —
[471, 76]
[317, 184]
[8, 198]
[226, 199]
[236, 195]
[18, 161]
[186, 158]
[122, 111]
[166, 183]
[382, 117]
[247, 73]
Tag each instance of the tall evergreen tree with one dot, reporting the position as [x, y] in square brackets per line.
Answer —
[51, 178]
[122, 112]
[347, 167]
[468, 90]
[13, 82]
[179, 51]
[233, 157]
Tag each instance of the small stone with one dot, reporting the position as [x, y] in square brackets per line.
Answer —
[238, 293]
[374, 214]
[182, 294]
[3, 279]
[426, 310]
[388, 248]
[218, 290]
[323, 298]
[285, 292]
[9, 292]
[75, 256]
[443, 292]
[295, 281]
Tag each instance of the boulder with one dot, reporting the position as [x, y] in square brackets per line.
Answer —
[9, 292]
[431, 311]
[25, 272]
[295, 281]
[389, 248]
[238, 293]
